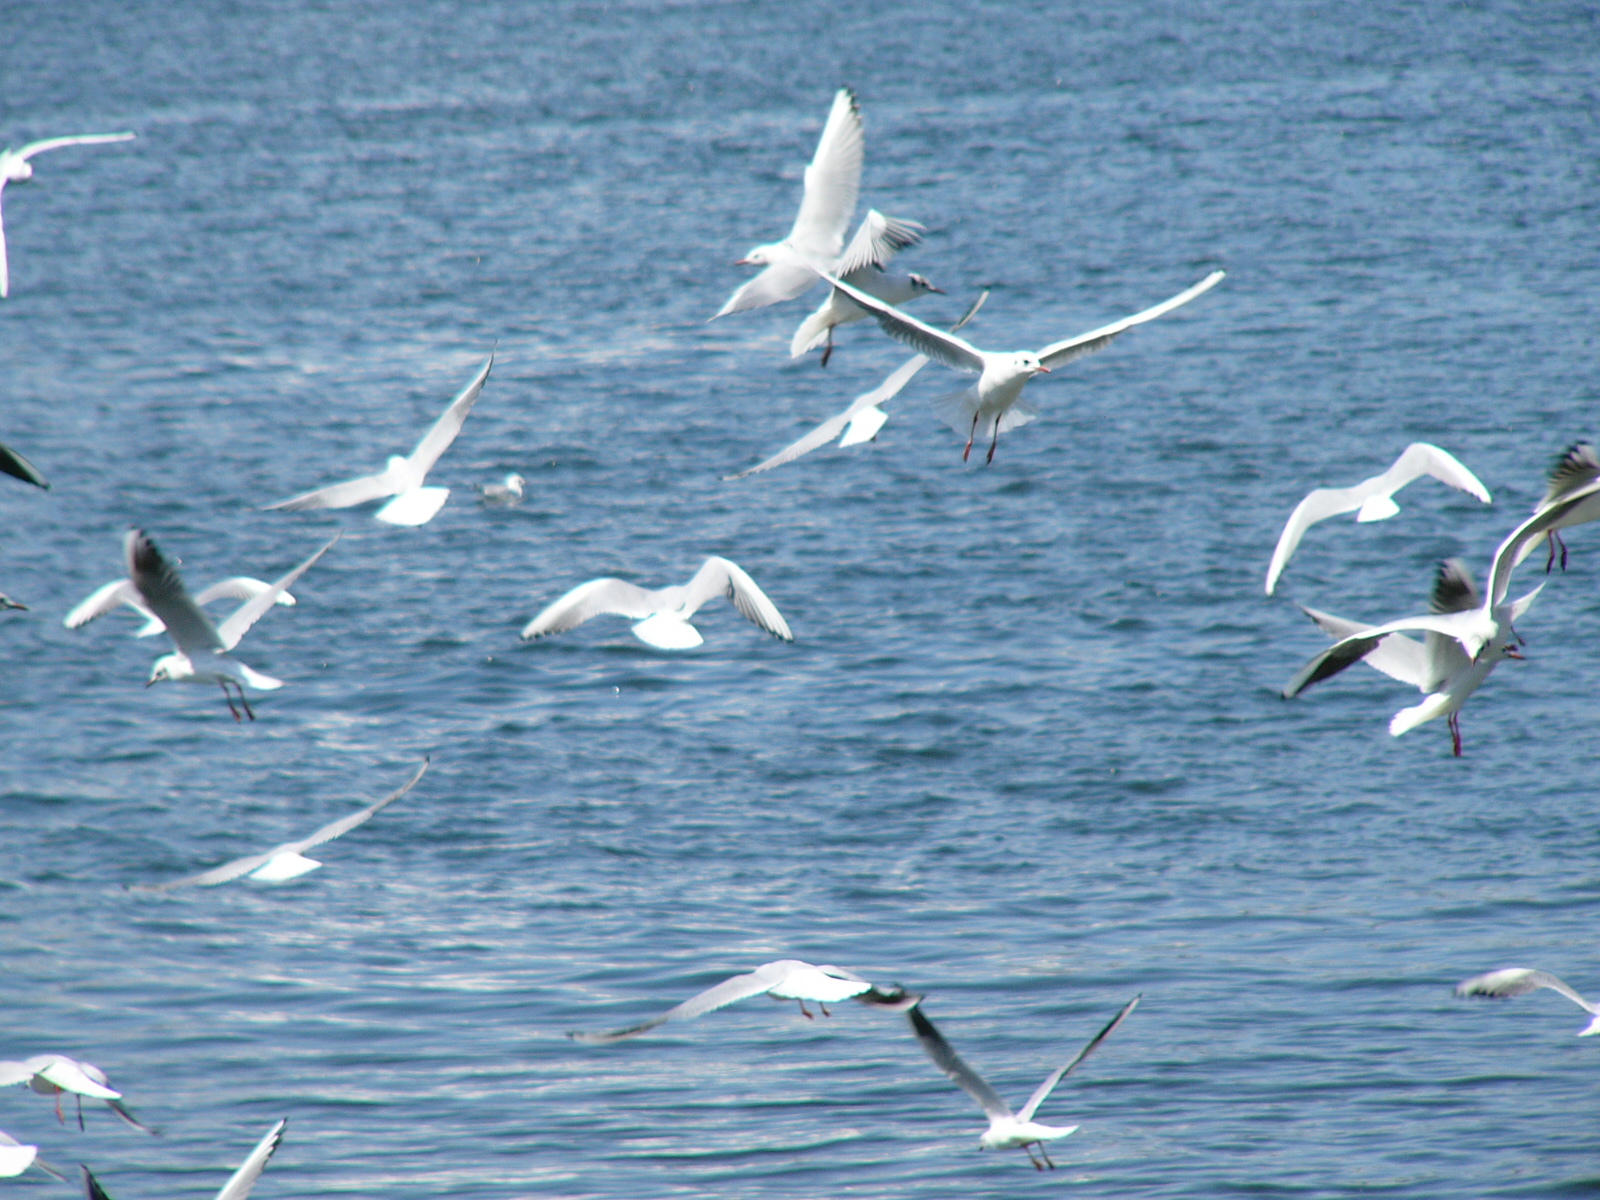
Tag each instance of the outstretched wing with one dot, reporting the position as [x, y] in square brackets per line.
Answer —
[101, 601]
[1318, 506]
[1424, 458]
[1058, 354]
[943, 347]
[723, 577]
[345, 824]
[1577, 467]
[159, 584]
[340, 495]
[437, 440]
[12, 463]
[81, 139]
[878, 239]
[833, 182]
[1044, 1089]
[598, 597]
[248, 613]
[1464, 627]
[739, 987]
[1397, 656]
[1518, 981]
[948, 1061]
[238, 1187]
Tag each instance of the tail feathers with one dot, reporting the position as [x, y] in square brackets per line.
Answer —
[1018, 415]
[956, 409]
[1377, 508]
[1592, 1028]
[812, 333]
[1431, 708]
[261, 683]
[864, 426]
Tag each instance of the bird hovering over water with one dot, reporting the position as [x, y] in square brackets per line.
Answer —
[55, 1074]
[107, 597]
[1519, 981]
[15, 168]
[1574, 475]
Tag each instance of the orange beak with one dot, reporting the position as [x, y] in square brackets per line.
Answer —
[1043, 370]
[1513, 652]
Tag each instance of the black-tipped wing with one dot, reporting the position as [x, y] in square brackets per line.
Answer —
[947, 348]
[723, 577]
[597, 597]
[1518, 981]
[877, 240]
[91, 1186]
[239, 1185]
[947, 1060]
[1042, 1092]
[1577, 467]
[14, 465]
[158, 582]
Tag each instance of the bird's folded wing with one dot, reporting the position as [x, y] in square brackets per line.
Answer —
[437, 440]
[1517, 981]
[345, 824]
[616, 597]
[162, 590]
[1397, 656]
[238, 1187]
[12, 463]
[739, 987]
[81, 139]
[943, 347]
[1040, 1093]
[832, 183]
[339, 495]
[877, 240]
[247, 614]
[947, 1060]
[779, 282]
[1424, 458]
[722, 577]
[101, 601]
[1318, 506]
[1060, 353]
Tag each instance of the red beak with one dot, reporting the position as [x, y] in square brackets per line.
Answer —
[1513, 652]
[1043, 370]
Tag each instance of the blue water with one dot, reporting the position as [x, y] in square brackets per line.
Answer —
[1026, 752]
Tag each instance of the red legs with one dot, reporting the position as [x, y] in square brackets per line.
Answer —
[972, 433]
[227, 695]
[827, 351]
[824, 1009]
[804, 1011]
[1045, 1154]
[59, 1117]
[1455, 733]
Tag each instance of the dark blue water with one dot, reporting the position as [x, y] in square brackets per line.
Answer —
[1026, 752]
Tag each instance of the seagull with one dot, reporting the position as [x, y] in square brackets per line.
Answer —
[865, 266]
[12, 463]
[106, 598]
[508, 492]
[1007, 1130]
[832, 184]
[15, 168]
[865, 416]
[53, 1074]
[202, 654]
[1437, 666]
[7, 602]
[1576, 471]
[994, 404]
[239, 1184]
[1371, 499]
[15, 1158]
[287, 861]
[663, 615]
[786, 979]
[413, 504]
[1519, 981]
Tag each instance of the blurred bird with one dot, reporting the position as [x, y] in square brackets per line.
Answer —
[507, 492]
[1519, 981]
[14, 465]
[108, 596]
[1574, 476]
[55, 1074]
[15, 168]
[238, 1185]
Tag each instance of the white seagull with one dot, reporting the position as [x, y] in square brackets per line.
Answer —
[663, 615]
[287, 861]
[15, 1158]
[832, 185]
[864, 265]
[786, 979]
[1574, 474]
[413, 504]
[1519, 981]
[1008, 1130]
[202, 648]
[107, 597]
[238, 1185]
[54, 1074]
[994, 404]
[507, 492]
[15, 168]
[865, 416]
[1371, 499]
[1437, 666]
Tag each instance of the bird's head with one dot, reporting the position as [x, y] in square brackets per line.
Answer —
[1027, 363]
[18, 170]
[922, 286]
[167, 668]
[516, 483]
[761, 256]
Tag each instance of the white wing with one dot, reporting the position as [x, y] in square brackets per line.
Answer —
[102, 600]
[248, 613]
[1519, 981]
[437, 440]
[71, 1076]
[5, 266]
[878, 239]
[833, 183]
[925, 339]
[1042, 1092]
[82, 139]
[1060, 353]
[238, 587]
[1465, 627]
[238, 1187]
[159, 583]
[597, 597]
[779, 282]
[739, 987]
[1397, 656]
[344, 825]
[1576, 503]
[947, 1060]
[723, 577]
[341, 495]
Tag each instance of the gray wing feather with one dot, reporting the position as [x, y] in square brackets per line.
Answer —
[947, 1060]
[238, 1187]
[247, 614]
[437, 440]
[1060, 353]
[1519, 981]
[877, 241]
[1044, 1089]
[101, 601]
[1319, 505]
[82, 139]
[729, 991]
[1397, 656]
[339, 495]
[723, 577]
[947, 348]
[161, 587]
[832, 183]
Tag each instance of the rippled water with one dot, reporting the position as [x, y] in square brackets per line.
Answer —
[1027, 751]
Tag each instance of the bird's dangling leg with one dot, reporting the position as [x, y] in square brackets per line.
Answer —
[971, 433]
[248, 711]
[1563, 543]
[995, 442]
[1455, 733]
[59, 1117]
[1028, 1150]
[228, 696]
[80, 1113]
[804, 1011]
[827, 351]
[824, 1009]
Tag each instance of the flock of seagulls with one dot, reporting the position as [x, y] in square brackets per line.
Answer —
[1469, 630]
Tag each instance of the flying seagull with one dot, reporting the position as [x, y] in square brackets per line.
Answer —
[1437, 666]
[663, 615]
[1519, 981]
[55, 1074]
[108, 596]
[202, 648]
[994, 404]
[865, 416]
[287, 861]
[1574, 474]
[15, 168]
[413, 504]
[238, 1186]
[12, 463]
[1371, 499]
[786, 979]
[1008, 1130]
[15, 1158]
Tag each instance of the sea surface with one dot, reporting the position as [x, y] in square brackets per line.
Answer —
[1026, 753]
